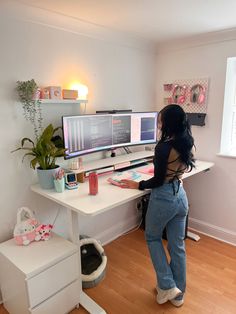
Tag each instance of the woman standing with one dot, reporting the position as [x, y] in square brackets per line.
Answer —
[168, 205]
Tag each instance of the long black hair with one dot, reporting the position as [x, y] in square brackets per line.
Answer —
[175, 126]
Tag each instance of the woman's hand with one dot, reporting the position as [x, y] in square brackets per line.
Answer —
[129, 184]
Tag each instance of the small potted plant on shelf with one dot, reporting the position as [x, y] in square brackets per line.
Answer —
[29, 96]
[44, 151]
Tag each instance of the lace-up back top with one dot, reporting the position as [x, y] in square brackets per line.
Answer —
[167, 166]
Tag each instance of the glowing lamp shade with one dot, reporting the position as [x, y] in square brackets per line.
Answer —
[82, 90]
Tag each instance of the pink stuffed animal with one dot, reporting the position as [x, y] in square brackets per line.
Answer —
[25, 230]
[44, 231]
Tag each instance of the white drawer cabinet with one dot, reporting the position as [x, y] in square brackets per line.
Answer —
[60, 302]
[42, 278]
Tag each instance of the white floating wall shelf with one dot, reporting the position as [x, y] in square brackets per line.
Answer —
[63, 101]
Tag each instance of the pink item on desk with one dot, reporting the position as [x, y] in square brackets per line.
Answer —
[147, 170]
[114, 182]
[93, 183]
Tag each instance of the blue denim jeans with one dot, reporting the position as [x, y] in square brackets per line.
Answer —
[168, 207]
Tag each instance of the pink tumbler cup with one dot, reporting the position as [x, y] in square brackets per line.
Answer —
[93, 183]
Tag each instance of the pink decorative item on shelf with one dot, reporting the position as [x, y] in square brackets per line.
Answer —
[45, 93]
[54, 92]
[168, 87]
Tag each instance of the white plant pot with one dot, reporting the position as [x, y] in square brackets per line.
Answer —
[46, 177]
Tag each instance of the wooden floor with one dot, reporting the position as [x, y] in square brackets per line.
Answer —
[129, 285]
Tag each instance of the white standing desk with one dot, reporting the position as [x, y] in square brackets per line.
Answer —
[109, 196]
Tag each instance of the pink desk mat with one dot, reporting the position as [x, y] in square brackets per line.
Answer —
[147, 170]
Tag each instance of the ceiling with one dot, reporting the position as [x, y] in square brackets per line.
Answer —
[155, 20]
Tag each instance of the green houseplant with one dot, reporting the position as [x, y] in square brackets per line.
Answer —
[28, 93]
[43, 153]
[45, 149]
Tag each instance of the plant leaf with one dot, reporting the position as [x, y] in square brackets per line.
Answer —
[26, 139]
[34, 162]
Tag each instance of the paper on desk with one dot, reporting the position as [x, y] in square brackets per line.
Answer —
[147, 170]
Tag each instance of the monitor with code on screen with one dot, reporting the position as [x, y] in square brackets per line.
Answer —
[85, 134]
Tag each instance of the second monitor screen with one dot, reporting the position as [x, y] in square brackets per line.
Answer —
[88, 133]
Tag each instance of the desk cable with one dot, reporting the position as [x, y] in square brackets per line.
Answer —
[134, 229]
[139, 208]
[57, 214]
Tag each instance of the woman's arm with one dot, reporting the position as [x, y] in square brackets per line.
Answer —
[162, 152]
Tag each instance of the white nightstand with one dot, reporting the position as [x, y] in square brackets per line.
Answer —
[42, 278]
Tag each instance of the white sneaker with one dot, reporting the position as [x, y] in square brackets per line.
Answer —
[177, 302]
[166, 295]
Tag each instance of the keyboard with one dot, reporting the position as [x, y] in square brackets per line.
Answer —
[128, 175]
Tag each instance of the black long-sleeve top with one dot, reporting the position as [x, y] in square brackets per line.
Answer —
[162, 152]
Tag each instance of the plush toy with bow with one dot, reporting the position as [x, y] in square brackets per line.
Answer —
[25, 230]
[44, 231]
[29, 229]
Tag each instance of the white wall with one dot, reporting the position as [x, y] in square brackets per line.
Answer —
[54, 50]
[212, 195]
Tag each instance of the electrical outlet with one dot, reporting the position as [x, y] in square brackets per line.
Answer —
[139, 205]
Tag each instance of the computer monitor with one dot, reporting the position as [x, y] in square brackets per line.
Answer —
[85, 134]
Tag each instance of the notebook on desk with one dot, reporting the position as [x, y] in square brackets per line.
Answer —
[128, 175]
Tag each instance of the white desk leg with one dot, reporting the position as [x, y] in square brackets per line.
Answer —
[88, 303]
[193, 236]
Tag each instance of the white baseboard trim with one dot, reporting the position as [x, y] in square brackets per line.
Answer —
[212, 231]
[118, 229]
[196, 225]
